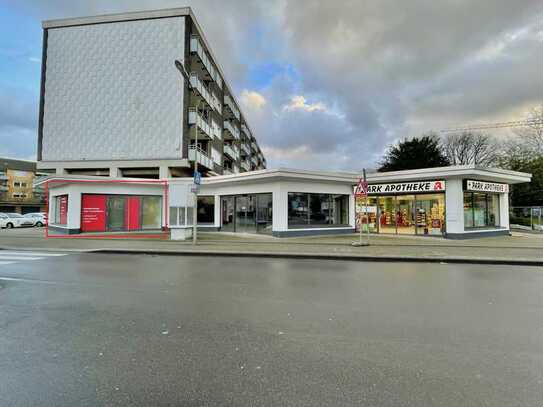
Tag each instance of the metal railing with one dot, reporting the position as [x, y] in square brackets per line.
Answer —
[203, 158]
[197, 48]
[527, 217]
[245, 165]
[228, 101]
[231, 129]
[246, 148]
[205, 93]
[196, 118]
[231, 151]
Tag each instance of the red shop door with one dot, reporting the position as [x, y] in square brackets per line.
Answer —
[132, 213]
[93, 213]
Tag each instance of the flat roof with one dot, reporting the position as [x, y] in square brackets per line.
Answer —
[461, 171]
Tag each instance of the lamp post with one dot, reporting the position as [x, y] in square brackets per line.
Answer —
[181, 68]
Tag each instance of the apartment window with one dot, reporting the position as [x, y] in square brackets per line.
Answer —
[317, 210]
[16, 184]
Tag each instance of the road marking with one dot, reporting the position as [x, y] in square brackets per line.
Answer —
[30, 253]
[20, 256]
[2, 257]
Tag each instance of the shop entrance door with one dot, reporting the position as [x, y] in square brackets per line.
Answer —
[115, 213]
[245, 214]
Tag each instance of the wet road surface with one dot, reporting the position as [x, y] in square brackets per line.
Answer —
[116, 330]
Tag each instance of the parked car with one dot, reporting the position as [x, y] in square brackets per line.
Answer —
[14, 220]
[39, 218]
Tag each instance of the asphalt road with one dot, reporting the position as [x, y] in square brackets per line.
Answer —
[116, 330]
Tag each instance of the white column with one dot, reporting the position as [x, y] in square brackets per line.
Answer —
[115, 172]
[504, 211]
[74, 208]
[280, 208]
[164, 172]
[454, 206]
[60, 171]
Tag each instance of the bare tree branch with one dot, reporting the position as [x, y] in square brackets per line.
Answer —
[470, 148]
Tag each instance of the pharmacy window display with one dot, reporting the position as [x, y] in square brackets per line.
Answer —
[389, 209]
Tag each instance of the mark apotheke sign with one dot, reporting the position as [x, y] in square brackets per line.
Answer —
[482, 186]
[406, 187]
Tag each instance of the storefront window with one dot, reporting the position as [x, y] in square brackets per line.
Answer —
[387, 214]
[151, 212]
[481, 210]
[405, 221]
[317, 210]
[264, 213]
[430, 214]
[206, 210]
[298, 210]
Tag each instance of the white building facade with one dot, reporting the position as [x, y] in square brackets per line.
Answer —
[452, 202]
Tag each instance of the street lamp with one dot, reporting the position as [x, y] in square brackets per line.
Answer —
[181, 68]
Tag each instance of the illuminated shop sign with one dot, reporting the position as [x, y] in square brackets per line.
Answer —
[407, 187]
[482, 186]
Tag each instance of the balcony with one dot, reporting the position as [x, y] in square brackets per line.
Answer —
[3, 176]
[246, 148]
[231, 151]
[229, 102]
[203, 158]
[216, 130]
[203, 127]
[198, 49]
[254, 146]
[254, 160]
[230, 129]
[245, 165]
[211, 100]
[246, 130]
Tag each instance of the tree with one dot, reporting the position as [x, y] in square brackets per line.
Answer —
[423, 152]
[532, 135]
[527, 194]
[470, 148]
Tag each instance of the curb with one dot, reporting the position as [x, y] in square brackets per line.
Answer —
[318, 256]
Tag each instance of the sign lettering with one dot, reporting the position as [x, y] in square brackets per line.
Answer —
[405, 187]
[482, 186]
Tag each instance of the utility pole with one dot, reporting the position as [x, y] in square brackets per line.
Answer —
[181, 68]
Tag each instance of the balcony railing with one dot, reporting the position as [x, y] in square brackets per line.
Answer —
[197, 48]
[245, 165]
[216, 129]
[254, 160]
[203, 158]
[204, 92]
[216, 156]
[231, 151]
[228, 101]
[246, 130]
[3, 176]
[246, 148]
[197, 119]
[231, 129]
[254, 146]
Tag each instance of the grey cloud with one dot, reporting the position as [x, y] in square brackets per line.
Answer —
[390, 68]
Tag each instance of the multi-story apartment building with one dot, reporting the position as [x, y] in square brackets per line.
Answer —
[17, 193]
[114, 103]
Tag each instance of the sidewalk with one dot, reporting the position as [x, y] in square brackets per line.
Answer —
[520, 248]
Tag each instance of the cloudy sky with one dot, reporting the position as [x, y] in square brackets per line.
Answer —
[324, 84]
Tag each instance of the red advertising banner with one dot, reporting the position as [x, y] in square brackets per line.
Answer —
[93, 213]
[63, 209]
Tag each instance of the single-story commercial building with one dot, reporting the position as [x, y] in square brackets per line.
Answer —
[453, 202]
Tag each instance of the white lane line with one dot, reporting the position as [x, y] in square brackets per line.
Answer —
[3, 263]
[29, 253]
[2, 257]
